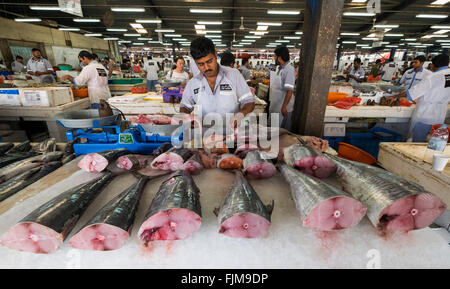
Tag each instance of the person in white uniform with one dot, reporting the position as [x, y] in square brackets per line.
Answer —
[282, 86]
[40, 68]
[151, 67]
[244, 69]
[357, 73]
[390, 70]
[432, 96]
[178, 73]
[95, 76]
[17, 65]
[416, 74]
[218, 89]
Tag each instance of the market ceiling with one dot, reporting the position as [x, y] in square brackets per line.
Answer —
[265, 23]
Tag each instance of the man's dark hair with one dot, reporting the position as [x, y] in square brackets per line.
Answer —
[357, 60]
[227, 58]
[35, 49]
[94, 56]
[19, 57]
[244, 61]
[149, 57]
[86, 54]
[440, 60]
[283, 52]
[421, 58]
[378, 61]
[391, 59]
[201, 47]
[106, 58]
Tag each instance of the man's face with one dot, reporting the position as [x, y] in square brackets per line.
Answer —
[208, 65]
[19, 60]
[83, 60]
[356, 65]
[37, 54]
[275, 58]
[232, 64]
[417, 64]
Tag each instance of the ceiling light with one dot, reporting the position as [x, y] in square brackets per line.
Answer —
[28, 20]
[435, 36]
[203, 32]
[142, 31]
[69, 29]
[259, 32]
[394, 35]
[213, 36]
[443, 40]
[385, 26]
[283, 12]
[299, 33]
[92, 34]
[213, 11]
[431, 16]
[86, 20]
[132, 35]
[221, 45]
[124, 41]
[137, 26]
[410, 39]
[238, 45]
[349, 42]
[172, 35]
[45, 8]
[440, 2]
[165, 30]
[252, 37]
[144, 38]
[179, 39]
[443, 31]
[127, 9]
[292, 37]
[154, 42]
[420, 46]
[440, 27]
[200, 27]
[269, 23]
[209, 22]
[138, 43]
[282, 41]
[165, 43]
[349, 34]
[370, 38]
[213, 31]
[262, 28]
[116, 30]
[362, 14]
[248, 40]
[148, 21]
[111, 38]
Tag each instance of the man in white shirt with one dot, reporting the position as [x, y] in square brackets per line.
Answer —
[357, 73]
[432, 96]
[244, 69]
[17, 65]
[390, 70]
[95, 76]
[416, 74]
[151, 68]
[40, 68]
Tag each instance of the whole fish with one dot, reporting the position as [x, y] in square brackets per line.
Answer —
[68, 148]
[19, 167]
[257, 166]
[97, 162]
[44, 230]
[393, 203]
[162, 149]
[14, 157]
[308, 161]
[321, 206]
[48, 145]
[172, 160]
[5, 146]
[110, 228]
[242, 213]
[22, 147]
[67, 158]
[175, 212]
[16, 184]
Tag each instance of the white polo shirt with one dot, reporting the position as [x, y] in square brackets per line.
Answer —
[41, 65]
[95, 76]
[389, 71]
[151, 66]
[432, 95]
[411, 77]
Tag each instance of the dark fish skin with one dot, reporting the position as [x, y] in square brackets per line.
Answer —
[48, 145]
[242, 199]
[68, 148]
[178, 191]
[121, 210]
[25, 179]
[62, 212]
[111, 155]
[4, 147]
[162, 149]
[14, 157]
[67, 158]
[22, 147]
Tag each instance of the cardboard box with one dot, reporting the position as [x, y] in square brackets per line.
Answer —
[334, 129]
[10, 96]
[46, 96]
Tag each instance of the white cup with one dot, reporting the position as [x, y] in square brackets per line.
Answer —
[439, 162]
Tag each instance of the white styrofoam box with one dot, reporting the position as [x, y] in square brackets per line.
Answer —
[60, 73]
[367, 96]
[10, 96]
[46, 96]
[334, 129]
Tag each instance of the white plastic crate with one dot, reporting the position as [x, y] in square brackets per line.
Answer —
[10, 96]
[46, 96]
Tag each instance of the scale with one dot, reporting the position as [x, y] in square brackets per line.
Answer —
[94, 133]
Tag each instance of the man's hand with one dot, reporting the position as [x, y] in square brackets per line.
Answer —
[236, 120]
[31, 73]
[284, 111]
[37, 73]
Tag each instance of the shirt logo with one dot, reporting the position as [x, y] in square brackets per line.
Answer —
[101, 72]
[196, 90]
[447, 80]
[151, 63]
[225, 87]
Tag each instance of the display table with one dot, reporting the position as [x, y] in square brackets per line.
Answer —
[413, 161]
[287, 245]
[33, 113]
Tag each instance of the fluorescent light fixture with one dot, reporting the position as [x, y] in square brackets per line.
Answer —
[92, 34]
[252, 37]
[440, 2]
[259, 32]
[137, 26]
[164, 30]
[213, 36]
[262, 28]
[361, 45]
[440, 27]
[209, 22]
[127, 9]
[282, 41]
[435, 36]
[148, 21]
[420, 46]
[443, 40]
[132, 35]
[361, 14]
[200, 27]
[384, 43]
[299, 33]
[394, 35]
[263, 50]
[213, 31]
[428, 44]
[431, 16]
[369, 38]
[111, 38]
[179, 39]
[172, 35]
[248, 40]
[211, 11]
[292, 37]
[385, 26]
[116, 30]
[202, 32]
[28, 20]
[442, 31]
[349, 42]
[144, 38]
[45, 8]
[86, 20]
[238, 45]
[283, 12]
[142, 31]
[221, 45]
[166, 43]
[359, 1]
[349, 34]
[124, 41]
[154, 42]
[138, 43]
[269, 23]
[410, 39]
[414, 43]
[69, 29]
[185, 44]
[371, 35]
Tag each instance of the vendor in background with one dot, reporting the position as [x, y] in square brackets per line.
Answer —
[136, 67]
[416, 74]
[390, 71]
[96, 57]
[357, 73]
[432, 96]
[17, 65]
[375, 71]
[244, 69]
[218, 89]
[151, 68]
[178, 73]
[227, 59]
[40, 68]
[95, 76]
[282, 87]
[108, 64]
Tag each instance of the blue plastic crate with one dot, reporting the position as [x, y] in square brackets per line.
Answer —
[5, 73]
[334, 141]
[386, 135]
